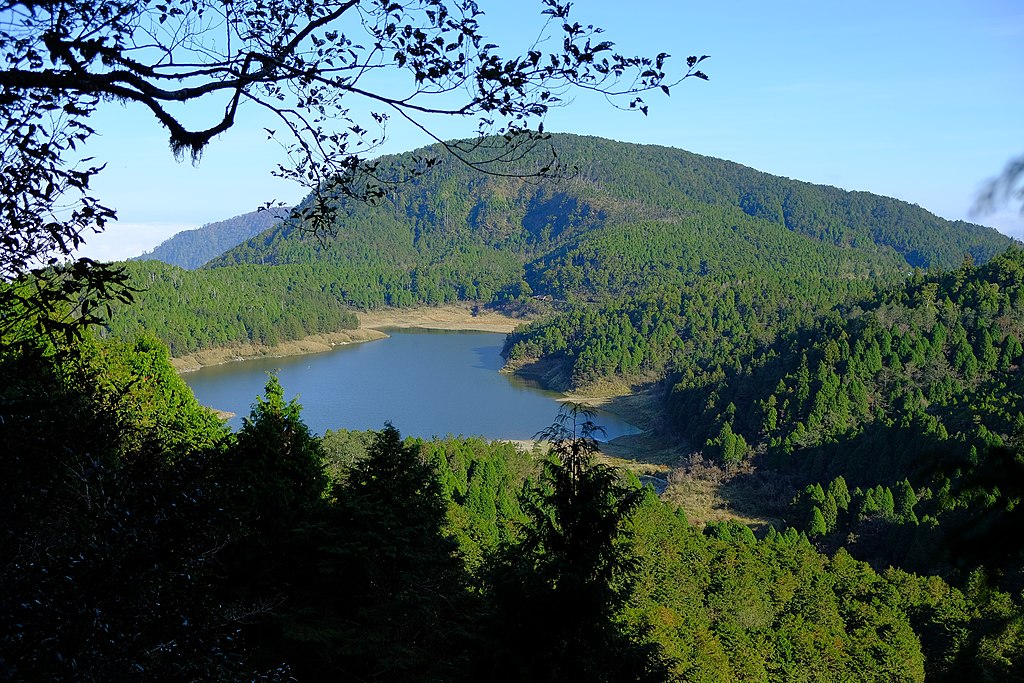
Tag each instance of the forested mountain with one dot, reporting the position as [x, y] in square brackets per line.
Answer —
[863, 353]
[190, 249]
[451, 207]
[904, 415]
[621, 221]
[900, 415]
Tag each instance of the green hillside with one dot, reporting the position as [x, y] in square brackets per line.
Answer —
[620, 220]
[913, 399]
[613, 183]
[796, 341]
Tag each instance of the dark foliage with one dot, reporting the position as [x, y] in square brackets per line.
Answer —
[557, 593]
[108, 521]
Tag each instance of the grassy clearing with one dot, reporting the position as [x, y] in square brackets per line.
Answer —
[708, 494]
[453, 317]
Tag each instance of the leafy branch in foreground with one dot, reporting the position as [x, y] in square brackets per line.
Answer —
[332, 74]
[1007, 187]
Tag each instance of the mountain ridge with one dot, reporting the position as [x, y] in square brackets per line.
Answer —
[190, 249]
[630, 220]
[667, 182]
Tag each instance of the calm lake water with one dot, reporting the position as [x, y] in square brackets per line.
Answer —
[426, 382]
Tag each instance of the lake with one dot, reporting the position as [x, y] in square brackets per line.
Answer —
[426, 382]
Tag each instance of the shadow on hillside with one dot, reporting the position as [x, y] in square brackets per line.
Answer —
[707, 493]
[759, 495]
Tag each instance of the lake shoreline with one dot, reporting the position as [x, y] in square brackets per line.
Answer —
[426, 383]
[630, 405]
[372, 326]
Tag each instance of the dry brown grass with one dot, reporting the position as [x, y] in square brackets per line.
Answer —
[708, 493]
[317, 343]
[453, 317]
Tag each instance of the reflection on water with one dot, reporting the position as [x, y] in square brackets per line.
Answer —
[425, 382]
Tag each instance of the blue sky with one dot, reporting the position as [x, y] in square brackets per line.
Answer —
[922, 101]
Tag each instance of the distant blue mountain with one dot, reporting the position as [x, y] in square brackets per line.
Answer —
[190, 249]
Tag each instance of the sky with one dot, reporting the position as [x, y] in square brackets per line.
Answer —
[922, 101]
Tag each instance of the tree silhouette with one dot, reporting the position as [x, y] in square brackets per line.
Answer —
[557, 593]
[381, 594]
[277, 465]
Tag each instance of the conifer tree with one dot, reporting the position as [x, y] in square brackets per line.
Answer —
[556, 594]
[830, 513]
[905, 499]
[838, 490]
[381, 595]
[1011, 352]
[277, 464]
[816, 526]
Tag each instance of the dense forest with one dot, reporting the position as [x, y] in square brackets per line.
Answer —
[857, 351]
[146, 541]
[912, 397]
[619, 221]
[225, 306]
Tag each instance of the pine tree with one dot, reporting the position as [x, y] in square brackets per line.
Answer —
[771, 414]
[382, 595]
[277, 465]
[838, 490]
[816, 526]
[964, 359]
[732, 447]
[905, 499]
[987, 354]
[556, 593]
[1011, 352]
[803, 382]
[885, 500]
[830, 513]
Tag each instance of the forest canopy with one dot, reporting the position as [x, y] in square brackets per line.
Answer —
[788, 326]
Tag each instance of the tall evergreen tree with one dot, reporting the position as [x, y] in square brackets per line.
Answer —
[557, 595]
[277, 465]
[905, 499]
[383, 597]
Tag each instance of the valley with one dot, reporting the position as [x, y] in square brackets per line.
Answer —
[452, 396]
[758, 328]
[823, 389]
